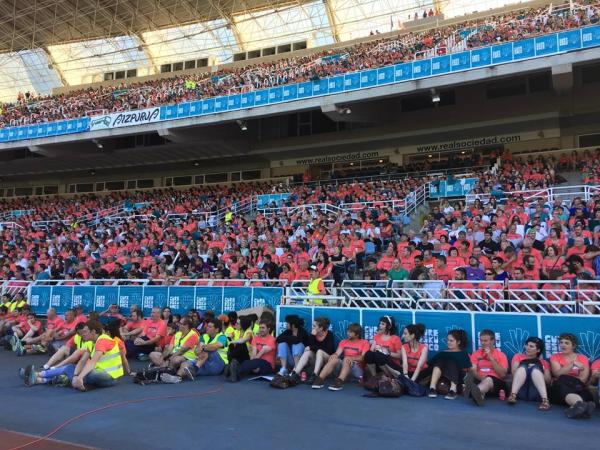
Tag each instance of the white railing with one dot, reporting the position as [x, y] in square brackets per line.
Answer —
[563, 193]
[9, 225]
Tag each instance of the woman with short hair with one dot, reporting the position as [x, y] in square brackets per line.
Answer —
[386, 349]
[318, 350]
[571, 371]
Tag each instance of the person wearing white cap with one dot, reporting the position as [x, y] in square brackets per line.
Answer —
[315, 287]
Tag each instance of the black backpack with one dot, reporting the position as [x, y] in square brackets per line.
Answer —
[151, 375]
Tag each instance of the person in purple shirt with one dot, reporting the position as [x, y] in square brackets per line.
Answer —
[474, 271]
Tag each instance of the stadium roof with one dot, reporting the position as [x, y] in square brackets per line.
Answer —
[52, 43]
[41, 23]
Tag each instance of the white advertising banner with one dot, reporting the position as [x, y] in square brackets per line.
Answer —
[125, 119]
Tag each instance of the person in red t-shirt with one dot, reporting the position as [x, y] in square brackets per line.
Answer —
[262, 355]
[134, 327]
[595, 373]
[570, 371]
[490, 367]
[352, 350]
[531, 375]
[155, 329]
[53, 325]
[414, 352]
[386, 349]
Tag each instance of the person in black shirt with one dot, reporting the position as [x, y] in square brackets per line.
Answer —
[291, 343]
[488, 246]
[319, 341]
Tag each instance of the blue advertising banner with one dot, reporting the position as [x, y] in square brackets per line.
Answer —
[181, 299]
[39, 299]
[335, 84]
[320, 87]
[247, 100]
[340, 319]
[220, 104]
[234, 101]
[130, 295]
[460, 61]
[210, 298]
[183, 110]
[105, 296]
[305, 90]
[154, 296]
[440, 65]
[440, 189]
[290, 92]
[385, 75]
[422, 68]
[261, 97]
[170, 112]
[524, 49]
[196, 108]
[569, 40]
[264, 200]
[512, 330]
[590, 36]
[481, 57]
[403, 72]
[351, 81]
[502, 53]
[546, 45]
[275, 94]
[438, 324]
[367, 79]
[84, 296]
[266, 296]
[304, 313]
[61, 298]
[208, 106]
[586, 329]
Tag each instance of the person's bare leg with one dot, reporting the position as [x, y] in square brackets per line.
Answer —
[539, 382]
[518, 381]
[346, 368]
[157, 359]
[329, 367]
[486, 385]
[436, 374]
[302, 362]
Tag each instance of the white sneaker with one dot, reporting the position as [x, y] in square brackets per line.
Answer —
[283, 372]
[170, 379]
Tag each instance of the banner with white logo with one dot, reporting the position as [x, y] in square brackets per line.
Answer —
[125, 119]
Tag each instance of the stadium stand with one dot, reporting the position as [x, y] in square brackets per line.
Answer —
[507, 27]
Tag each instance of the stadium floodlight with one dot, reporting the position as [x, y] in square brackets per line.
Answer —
[344, 110]
[242, 124]
[98, 143]
[92, 172]
[435, 96]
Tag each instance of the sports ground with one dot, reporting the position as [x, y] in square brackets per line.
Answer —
[210, 413]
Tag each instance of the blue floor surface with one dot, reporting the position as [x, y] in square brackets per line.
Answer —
[252, 415]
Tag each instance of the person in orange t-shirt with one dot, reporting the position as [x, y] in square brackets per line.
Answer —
[386, 348]
[490, 367]
[531, 375]
[155, 329]
[351, 351]
[262, 355]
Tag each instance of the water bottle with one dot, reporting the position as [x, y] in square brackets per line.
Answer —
[501, 395]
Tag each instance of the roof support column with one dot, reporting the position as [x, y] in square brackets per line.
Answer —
[332, 21]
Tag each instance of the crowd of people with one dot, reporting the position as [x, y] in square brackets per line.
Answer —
[92, 352]
[480, 244]
[509, 26]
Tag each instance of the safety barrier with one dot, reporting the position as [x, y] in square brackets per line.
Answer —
[537, 47]
[549, 195]
[511, 329]
[180, 299]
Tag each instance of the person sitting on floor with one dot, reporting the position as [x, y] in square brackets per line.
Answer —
[60, 368]
[155, 329]
[103, 366]
[352, 351]
[450, 364]
[414, 352]
[211, 352]
[570, 372]
[386, 349]
[291, 343]
[134, 327]
[320, 347]
[181, 349]
[239, 347]
[262, 355]
[531, 375]
[490, 367]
